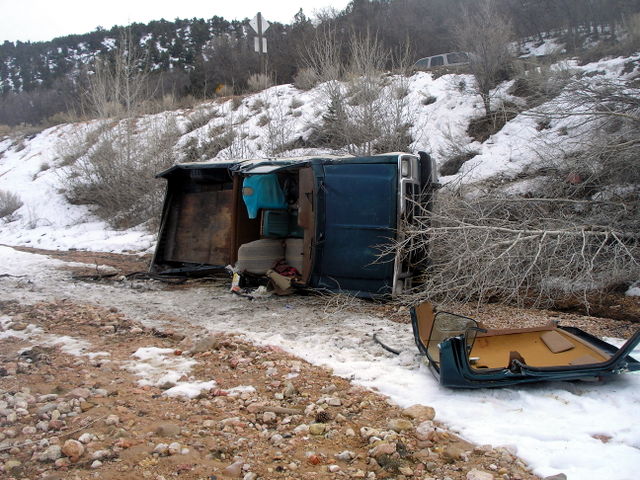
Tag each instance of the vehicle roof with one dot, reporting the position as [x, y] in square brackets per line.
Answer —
[252, 164]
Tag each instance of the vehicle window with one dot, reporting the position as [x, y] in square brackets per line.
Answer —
[437, 61]
[423, 62]
[447, 325]
[457, 57]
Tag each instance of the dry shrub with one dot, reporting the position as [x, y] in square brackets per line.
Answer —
[574, 232]
[305, 79]
[117, 175]
[480, 129]
[200, 117]
[258, 82]
[9, 203]
[521, 250]
[202, 149]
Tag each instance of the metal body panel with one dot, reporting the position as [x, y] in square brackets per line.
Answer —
[357, 217]
[453, 368]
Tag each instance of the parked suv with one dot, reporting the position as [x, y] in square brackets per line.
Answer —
[451, 59]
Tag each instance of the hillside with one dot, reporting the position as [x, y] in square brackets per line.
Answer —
[194, 57]
[89, 331]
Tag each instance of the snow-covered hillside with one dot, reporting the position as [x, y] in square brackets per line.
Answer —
[34, 168]
[595, 436]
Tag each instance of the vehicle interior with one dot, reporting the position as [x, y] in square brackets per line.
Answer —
[281, 204]
[212, 218]
[545, 346]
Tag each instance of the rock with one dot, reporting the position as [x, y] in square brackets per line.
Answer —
[112, 420]
[408, 471]
[366, 433]
[419, 412]
[49, 397]
[18, 326]
[317, 428]
[61, 463]
[11, 466]
[174, 448]
[276, 439]
[86, 438]
[49, 407]
[452, 453]
[161, 449]
[136, 330]
[73, 449]
[250, 476]
[345, 456]
[349, 432]
[29, 430]
[51, 454]
[56, 425]
[558, 476]
[79, 393]
[334, 401]
[43, 426]
[234, 470]
[205, 344]
[399, 424]
[168, 430]
[100, 454]
[476, 474]
[425, 430]
[96, 464]
[301, 429]
[268, 417]
[333, 468]
[384, 448]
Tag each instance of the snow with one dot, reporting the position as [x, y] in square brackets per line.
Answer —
[189, 389]
[633, 290]
[159, 366]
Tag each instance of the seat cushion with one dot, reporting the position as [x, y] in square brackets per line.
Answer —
[556, 342]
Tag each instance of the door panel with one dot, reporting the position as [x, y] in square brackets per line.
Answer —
[359, 217]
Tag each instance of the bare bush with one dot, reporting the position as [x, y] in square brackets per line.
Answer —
[305, 79]
[485, 33]
[573, 232]
[9, 203]
[538, 82]
[522, 250]
[120, 84]
[369, 112]
[258, 82]
[117, 175]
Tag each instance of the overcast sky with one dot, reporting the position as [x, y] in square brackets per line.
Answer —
[37, 20]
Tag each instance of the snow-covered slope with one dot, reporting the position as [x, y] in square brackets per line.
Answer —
[34, 168]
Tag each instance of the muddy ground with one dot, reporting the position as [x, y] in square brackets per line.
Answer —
[81, 413]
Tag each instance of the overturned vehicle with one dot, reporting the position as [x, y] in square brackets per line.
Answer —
[328, 222]
[463, 354]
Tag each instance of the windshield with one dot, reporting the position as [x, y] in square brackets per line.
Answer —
[447, 325]
[457, 57]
